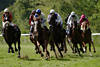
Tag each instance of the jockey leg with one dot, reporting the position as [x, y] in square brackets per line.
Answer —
[31, 31]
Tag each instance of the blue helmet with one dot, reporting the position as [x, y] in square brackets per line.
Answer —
[36, 15]
[38, 11]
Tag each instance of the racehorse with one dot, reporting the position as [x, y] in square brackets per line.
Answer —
[12, 35]
[57, 36]
[76, 38]
[40, 37]
[87, 36]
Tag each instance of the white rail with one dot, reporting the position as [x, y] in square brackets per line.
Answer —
[94, 34]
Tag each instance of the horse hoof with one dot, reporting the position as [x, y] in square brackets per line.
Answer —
[18, 56]
[12, 51]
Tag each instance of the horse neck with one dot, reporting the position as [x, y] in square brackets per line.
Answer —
[53, 20]
[37, 26]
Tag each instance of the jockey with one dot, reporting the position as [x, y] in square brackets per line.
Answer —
[72, 17]
[82, 19]
[31, 21]
[7, 16]
[41, 17]
[58, 20]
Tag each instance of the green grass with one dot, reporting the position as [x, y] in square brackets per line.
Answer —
[30, 59]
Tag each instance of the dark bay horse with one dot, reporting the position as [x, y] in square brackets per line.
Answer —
[40, 37]
[57, 36]
[87, 36]
[76, 38]
[12, 35]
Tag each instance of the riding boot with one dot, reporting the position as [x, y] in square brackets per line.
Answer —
[31, 31]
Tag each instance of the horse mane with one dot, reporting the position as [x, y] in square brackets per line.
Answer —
[53, 20]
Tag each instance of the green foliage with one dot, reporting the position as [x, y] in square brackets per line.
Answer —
[21, 10]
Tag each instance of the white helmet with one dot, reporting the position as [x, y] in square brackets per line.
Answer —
[6, 10]
[72, 13]
[52, 11]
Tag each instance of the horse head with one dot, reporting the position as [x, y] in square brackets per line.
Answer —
[53, 20]
[7, 24]
[84, 26]
[36, 27]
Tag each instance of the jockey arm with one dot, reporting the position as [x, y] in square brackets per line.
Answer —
[69, 21]
[59, 20]
[43, 20]
[48, 19]
[30, 20]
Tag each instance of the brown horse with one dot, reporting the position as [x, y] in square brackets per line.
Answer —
[40, 37]
[87, 36]
[12, 35]
[76, 38]
[57, 36]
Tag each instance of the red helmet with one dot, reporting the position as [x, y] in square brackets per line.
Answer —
[82, 16]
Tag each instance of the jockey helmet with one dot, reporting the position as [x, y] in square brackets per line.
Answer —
[72, 13]
[82, 16]
[6, 10]
[36, 15]
[33, 11]
[38, 11]
[52, 11]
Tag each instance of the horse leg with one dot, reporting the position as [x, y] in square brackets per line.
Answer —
[15, 47]
[65, 50]
[76, 46]
[11, 48]
[84, 46]
[43, 47]
[93, 46]
[81, 47]
[53, 48]
[69, 42]
[59, 50]
[51, 45]
[62, 46]
[46, 51]
[19, 48]
[38, 46]
[90, 49]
